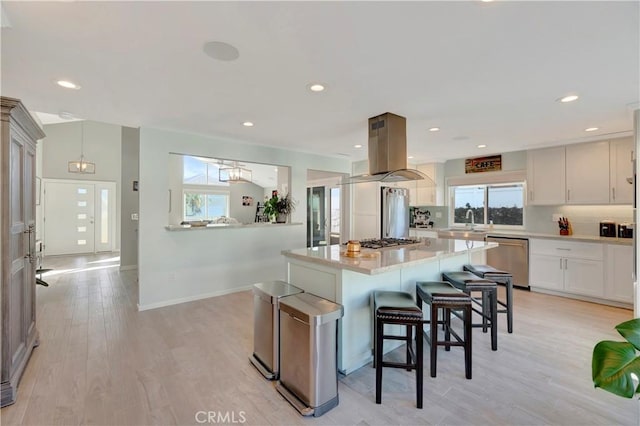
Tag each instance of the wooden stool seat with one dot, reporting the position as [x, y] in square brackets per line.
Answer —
[397, 307]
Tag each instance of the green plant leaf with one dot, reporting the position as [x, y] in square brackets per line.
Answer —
[612, 366]
[630, 330]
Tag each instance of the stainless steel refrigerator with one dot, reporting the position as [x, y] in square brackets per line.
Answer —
[395, 213]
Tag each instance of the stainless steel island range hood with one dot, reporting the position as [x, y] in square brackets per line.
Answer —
[387, 152]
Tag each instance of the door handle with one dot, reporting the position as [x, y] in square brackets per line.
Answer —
[613, 193]
[565, 264]
[560, 263]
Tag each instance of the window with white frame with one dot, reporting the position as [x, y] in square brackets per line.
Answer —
[202, 199]
[502, 203]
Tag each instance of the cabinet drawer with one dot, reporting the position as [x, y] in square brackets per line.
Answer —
[568, 249]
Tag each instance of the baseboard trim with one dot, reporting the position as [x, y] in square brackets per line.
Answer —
[192, 298]
[597, 300]
[128, 267]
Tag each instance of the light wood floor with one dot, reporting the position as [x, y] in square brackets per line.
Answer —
[102, 362]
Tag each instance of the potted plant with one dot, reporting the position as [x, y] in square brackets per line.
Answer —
[279, 207]
[614, 365]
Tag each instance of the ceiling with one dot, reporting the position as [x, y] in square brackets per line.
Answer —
[484, 73]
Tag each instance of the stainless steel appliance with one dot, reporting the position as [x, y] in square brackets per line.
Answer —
[266, 325]
[607, 228]
[309, 354]
[395, 213]
[511, 255]
[388, 153]
[625, 230]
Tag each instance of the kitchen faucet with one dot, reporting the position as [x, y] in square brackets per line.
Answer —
[473, 221]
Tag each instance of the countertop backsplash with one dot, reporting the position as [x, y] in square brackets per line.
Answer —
[423, 216]
[584, 220]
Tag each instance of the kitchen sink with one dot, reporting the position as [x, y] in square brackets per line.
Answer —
[463, 234]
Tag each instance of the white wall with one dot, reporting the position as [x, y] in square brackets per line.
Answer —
[180, 266]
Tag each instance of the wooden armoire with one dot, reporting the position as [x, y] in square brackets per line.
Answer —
[17, 249]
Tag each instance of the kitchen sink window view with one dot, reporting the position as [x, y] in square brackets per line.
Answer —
[501, 204]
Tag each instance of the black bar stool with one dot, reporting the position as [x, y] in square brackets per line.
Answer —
[443, 296]
[397, 307]
[469, 283]
[501, 277]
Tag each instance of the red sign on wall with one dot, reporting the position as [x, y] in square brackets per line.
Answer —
[491, 163]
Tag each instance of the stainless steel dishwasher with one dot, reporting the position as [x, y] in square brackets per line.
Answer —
[512, 255]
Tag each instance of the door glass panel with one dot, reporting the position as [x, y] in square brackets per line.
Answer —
[316, 217]
[82, 191]
[82, 229]
[82, 216]
[82, 204]
[104, 216]
[82, 242]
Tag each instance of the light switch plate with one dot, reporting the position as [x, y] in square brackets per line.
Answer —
[134, 216]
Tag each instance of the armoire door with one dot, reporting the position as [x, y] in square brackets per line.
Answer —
[17, 156]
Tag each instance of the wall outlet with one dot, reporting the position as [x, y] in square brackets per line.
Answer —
[134, 216]
[438, 215]
[556, 217]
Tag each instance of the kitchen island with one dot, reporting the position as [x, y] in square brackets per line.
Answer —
[328, 273]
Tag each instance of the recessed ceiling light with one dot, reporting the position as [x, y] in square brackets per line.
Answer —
[316, 87]
[221, 51]
[67, 84]
[66, 115]
[569, 98]
[410, 157]
[482, 145]
[247, 124]
[357, 146]
[590, 129]
[434, 129]
[486, 1]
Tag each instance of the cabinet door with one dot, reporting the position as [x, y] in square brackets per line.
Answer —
[546, 272]
[621, 169]
[619, 283]
[546, 176]
[426, 189]
[585, 277]
[588, 173]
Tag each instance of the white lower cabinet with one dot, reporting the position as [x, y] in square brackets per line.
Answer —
[569, 267]
[619, 263]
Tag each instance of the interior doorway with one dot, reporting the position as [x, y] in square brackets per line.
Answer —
[325, 208]
[79, 216]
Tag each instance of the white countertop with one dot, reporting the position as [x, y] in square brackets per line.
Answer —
[387, 259]
[227, 226]
[577, 238]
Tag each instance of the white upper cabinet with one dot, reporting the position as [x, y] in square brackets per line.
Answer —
[587, 169]
[587, 173]
[621, 169]
[546, 176]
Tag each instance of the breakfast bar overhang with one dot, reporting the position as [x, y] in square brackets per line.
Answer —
[327, 272]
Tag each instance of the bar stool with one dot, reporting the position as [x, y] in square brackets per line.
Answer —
[443, 296]
[469, 283]
[397, 307]
[501, 277]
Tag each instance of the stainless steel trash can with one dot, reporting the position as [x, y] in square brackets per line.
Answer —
[309, 353]
[266, 325]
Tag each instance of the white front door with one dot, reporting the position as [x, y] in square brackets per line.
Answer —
[79, 217]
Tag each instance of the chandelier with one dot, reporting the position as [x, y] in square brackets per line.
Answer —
[234, 174]
[82, 165]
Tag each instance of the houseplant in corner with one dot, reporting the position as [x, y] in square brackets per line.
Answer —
[279, 207]
[614, 365]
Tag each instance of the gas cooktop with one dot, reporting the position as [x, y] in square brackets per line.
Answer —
[387, 242]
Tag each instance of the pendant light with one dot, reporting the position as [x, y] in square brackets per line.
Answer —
[235, 174]
[82, 166]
